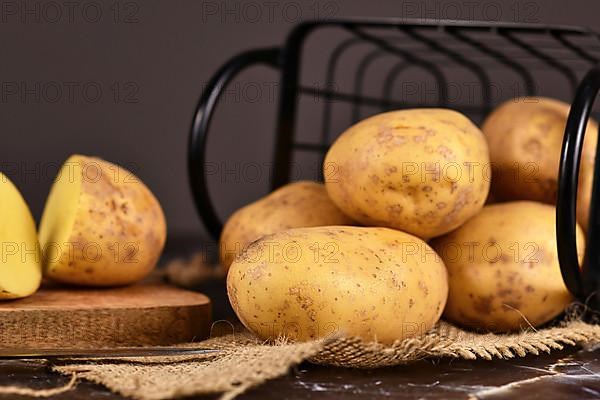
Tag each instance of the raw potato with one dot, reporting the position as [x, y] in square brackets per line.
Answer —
[101, 225]
[296, 205]
[503, 268]
[375, 283]
[422, 171]
[20, 262]
[525, 137]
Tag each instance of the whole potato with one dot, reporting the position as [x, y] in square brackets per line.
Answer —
[375, 283]
[295, 205]
[525, 136]
[503, 268]
[101, 225]
[422, 171]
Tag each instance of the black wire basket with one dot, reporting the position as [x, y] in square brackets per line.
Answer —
[360, 67]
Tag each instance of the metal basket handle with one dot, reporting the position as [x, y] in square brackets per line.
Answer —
[584, 282]
[201, 124]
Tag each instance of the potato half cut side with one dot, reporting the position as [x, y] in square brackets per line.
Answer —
[20, 261]
[60, 212]
[101, 225]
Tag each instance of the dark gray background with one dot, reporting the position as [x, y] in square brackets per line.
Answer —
[150, 60]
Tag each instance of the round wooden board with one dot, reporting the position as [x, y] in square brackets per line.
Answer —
[140, 315]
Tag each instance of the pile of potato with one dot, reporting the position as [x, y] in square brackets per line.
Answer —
[401, 233]
[101, 227]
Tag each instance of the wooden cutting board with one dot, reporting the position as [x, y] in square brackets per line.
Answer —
[67, 317]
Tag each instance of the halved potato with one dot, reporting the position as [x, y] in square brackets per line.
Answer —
[101, 225]
[20, 261]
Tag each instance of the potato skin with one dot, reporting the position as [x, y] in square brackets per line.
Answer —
[525, 137]
[375, 283]
[120, 217]
[421, 171]
[295, 205]
[503, 268]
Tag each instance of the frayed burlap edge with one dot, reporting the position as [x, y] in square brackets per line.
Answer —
[446, 340]
[245, 361]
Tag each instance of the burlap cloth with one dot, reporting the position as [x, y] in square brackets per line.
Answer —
[245, 361]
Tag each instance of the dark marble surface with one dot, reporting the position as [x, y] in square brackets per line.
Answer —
[560, 375]
[565, 374]
[571, 373]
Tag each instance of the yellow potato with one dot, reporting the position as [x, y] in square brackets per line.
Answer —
[296, 205]
[101, 225]
[20, 262]
[525, 137]
[375, 283]
[422, 171]
[503, 268]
